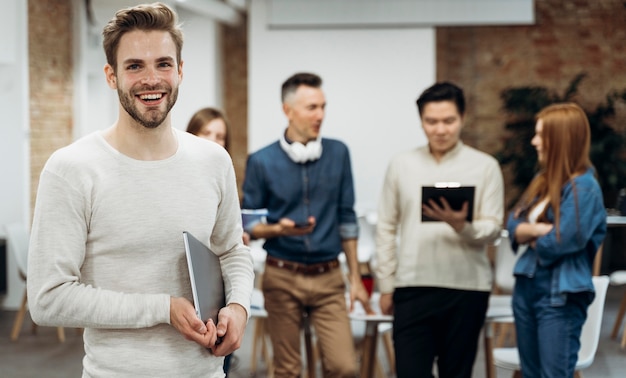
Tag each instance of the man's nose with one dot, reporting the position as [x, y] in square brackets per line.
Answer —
[319, 114]
[440, 128]
[151, 76]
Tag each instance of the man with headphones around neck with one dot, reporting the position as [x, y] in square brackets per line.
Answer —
[305, 183]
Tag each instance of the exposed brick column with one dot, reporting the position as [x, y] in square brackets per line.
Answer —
[235, 81]
[51, 81]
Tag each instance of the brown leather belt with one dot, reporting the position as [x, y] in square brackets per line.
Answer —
[309, 269]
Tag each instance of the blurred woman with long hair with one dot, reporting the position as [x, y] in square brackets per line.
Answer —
[557, 226]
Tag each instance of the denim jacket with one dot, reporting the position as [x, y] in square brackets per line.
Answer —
[582, 229]
[321, 188]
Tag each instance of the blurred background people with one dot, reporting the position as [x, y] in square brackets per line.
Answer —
[305, 183]
[558, 226]
[437, 281]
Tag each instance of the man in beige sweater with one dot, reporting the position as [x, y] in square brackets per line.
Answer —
[437, 281]
[107, 252]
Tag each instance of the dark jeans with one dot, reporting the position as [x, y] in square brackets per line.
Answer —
[548, 337]
[227, 363]
[437, 323]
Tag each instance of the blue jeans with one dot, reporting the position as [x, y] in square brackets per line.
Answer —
[548, 337]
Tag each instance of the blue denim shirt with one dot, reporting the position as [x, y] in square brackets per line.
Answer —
[321, 188]
[582, 229]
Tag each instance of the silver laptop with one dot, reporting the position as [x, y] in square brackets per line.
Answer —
[205, 273]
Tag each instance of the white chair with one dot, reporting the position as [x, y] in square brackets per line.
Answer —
[508, 358]
[258, 313]
[504, 263]
[366, 247]
[500, 312]
[499, 318]
[619, 278]
[366, 253]
[18, 240]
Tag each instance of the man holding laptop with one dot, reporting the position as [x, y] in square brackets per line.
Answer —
[107, 251]
[437, 281]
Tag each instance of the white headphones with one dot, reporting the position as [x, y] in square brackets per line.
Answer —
[301, 153]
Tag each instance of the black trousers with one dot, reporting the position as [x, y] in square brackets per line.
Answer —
[437, 323]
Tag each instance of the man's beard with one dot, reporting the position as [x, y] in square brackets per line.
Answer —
[152, 118]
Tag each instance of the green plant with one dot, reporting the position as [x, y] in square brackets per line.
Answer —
[608, 147]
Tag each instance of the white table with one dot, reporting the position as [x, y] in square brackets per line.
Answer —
[370, 340]
[499, 311]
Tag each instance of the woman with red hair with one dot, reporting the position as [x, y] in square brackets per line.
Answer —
[557, 226]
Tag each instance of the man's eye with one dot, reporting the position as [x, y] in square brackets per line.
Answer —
[133, 67]
[165, 64]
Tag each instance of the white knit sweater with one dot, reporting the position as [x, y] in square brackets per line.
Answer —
[107, 252]
[432, 254]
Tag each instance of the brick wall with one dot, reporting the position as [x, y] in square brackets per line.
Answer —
[569, 37]
[235, 81]
[50, 77]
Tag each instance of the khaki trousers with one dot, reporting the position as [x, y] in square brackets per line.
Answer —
[287, 296]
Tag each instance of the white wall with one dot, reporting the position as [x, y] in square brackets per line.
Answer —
[14, 139]
[372, 78]
[201, 84]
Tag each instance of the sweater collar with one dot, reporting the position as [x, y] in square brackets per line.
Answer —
[448, 155]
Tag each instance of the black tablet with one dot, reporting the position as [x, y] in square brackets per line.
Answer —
[455, 194]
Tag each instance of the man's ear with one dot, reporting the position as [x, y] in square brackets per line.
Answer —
[286, 109]
[109, 74]
[180, 70]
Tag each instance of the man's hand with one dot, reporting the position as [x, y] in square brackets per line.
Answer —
[358, 293]
[386, 303]
[456, 219]
[231, 325]
[183, 317]
[287, 227]
[284, 227]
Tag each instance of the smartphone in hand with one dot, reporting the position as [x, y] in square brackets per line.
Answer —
[302, 224]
